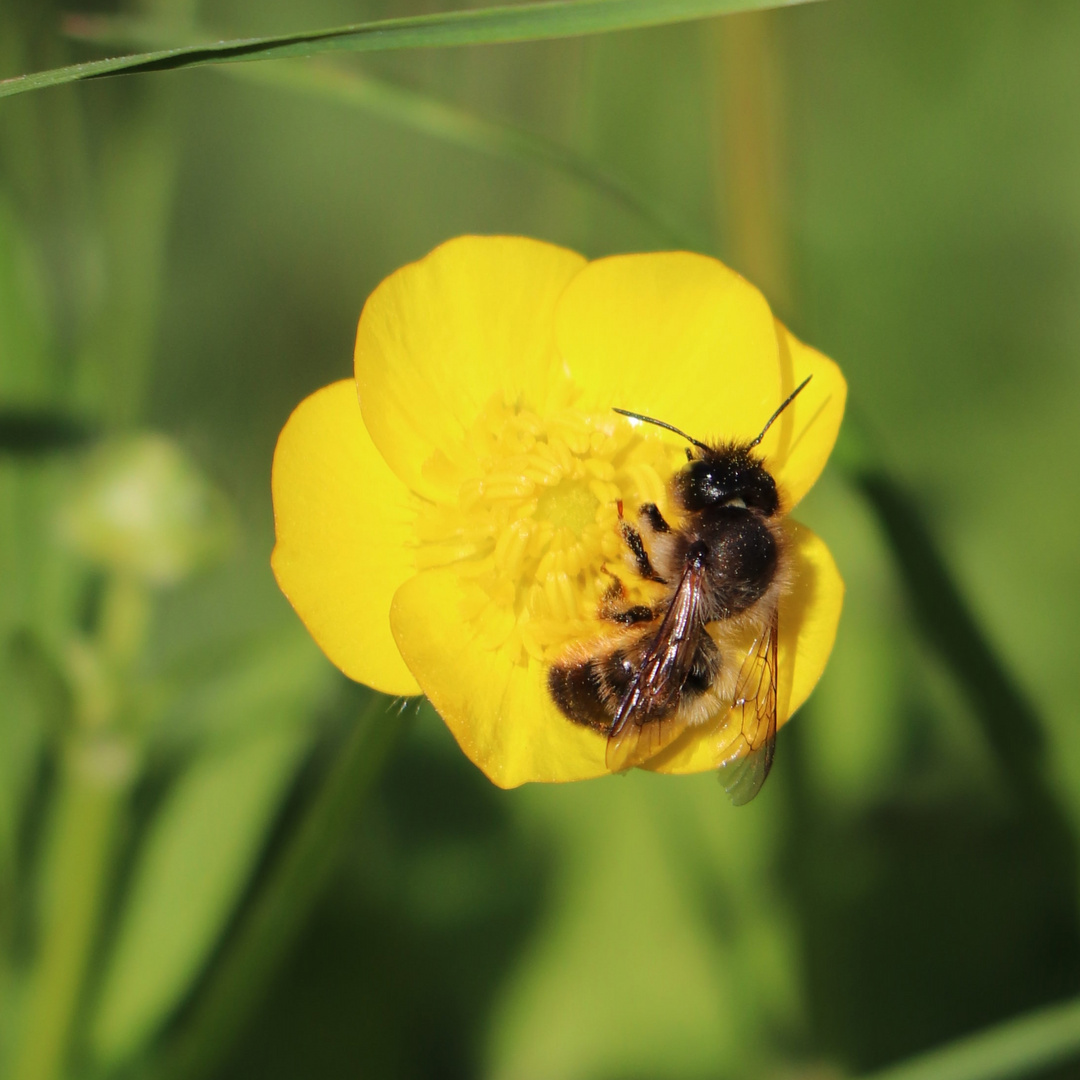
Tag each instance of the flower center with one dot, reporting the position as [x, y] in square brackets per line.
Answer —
[570, 506]
[535, 527]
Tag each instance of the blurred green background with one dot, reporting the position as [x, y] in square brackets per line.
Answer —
[219, 859]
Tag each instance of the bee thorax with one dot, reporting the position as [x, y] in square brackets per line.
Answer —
[743, 559]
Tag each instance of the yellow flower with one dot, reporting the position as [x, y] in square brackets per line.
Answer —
[446, 520]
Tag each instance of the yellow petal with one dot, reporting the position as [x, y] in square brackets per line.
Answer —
[441, 337]
[499, 711]
[811, 612]
[797, 446]
[808, 618]
[675, 336]
[344, 527]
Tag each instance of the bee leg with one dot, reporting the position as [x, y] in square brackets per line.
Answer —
[615, 591]
[641, 556]
[639, 613]
[613, 606]
[651, 513]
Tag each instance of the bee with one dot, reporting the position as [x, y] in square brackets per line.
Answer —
[708, 647]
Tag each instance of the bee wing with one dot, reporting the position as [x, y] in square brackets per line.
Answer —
[645, 721]
[638, 742]
[753, 709]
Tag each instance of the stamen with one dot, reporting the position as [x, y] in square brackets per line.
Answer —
[536, 523]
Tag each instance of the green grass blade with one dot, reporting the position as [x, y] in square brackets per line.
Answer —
[1019, 1047]
[484, 26]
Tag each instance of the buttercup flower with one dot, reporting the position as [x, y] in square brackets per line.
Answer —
[448, 521]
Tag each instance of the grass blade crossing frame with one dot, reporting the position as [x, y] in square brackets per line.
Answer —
[485, 26]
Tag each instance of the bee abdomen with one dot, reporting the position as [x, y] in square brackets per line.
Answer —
[588, 691]
[576, 689]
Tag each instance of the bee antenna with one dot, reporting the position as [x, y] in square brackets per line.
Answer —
[660, 423]
[787, 401]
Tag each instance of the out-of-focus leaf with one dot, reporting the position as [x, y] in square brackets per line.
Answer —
[193, 865]
[855, 751]
[27, 432]
[42, 585]
[594, 997]
[436, 118]
[292, 885]
[252, 720]
[943, 615]
[420, 112]
[135, 185]
[259, 683]
[1024, 1046]
[24, 339]
[486, 26]
[35, 700]
[29, 425]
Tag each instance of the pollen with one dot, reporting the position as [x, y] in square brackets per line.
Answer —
[535, 524]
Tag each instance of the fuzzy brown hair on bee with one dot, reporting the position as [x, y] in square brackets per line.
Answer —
[708, 647]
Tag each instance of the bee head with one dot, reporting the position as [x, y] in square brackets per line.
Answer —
[728, 478]
[725, 478]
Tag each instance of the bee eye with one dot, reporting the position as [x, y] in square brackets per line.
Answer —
[736, 502]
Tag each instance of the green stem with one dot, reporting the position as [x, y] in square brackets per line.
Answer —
[78, 858]
[1019, 1047]
[97, 768]
[125, 616]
